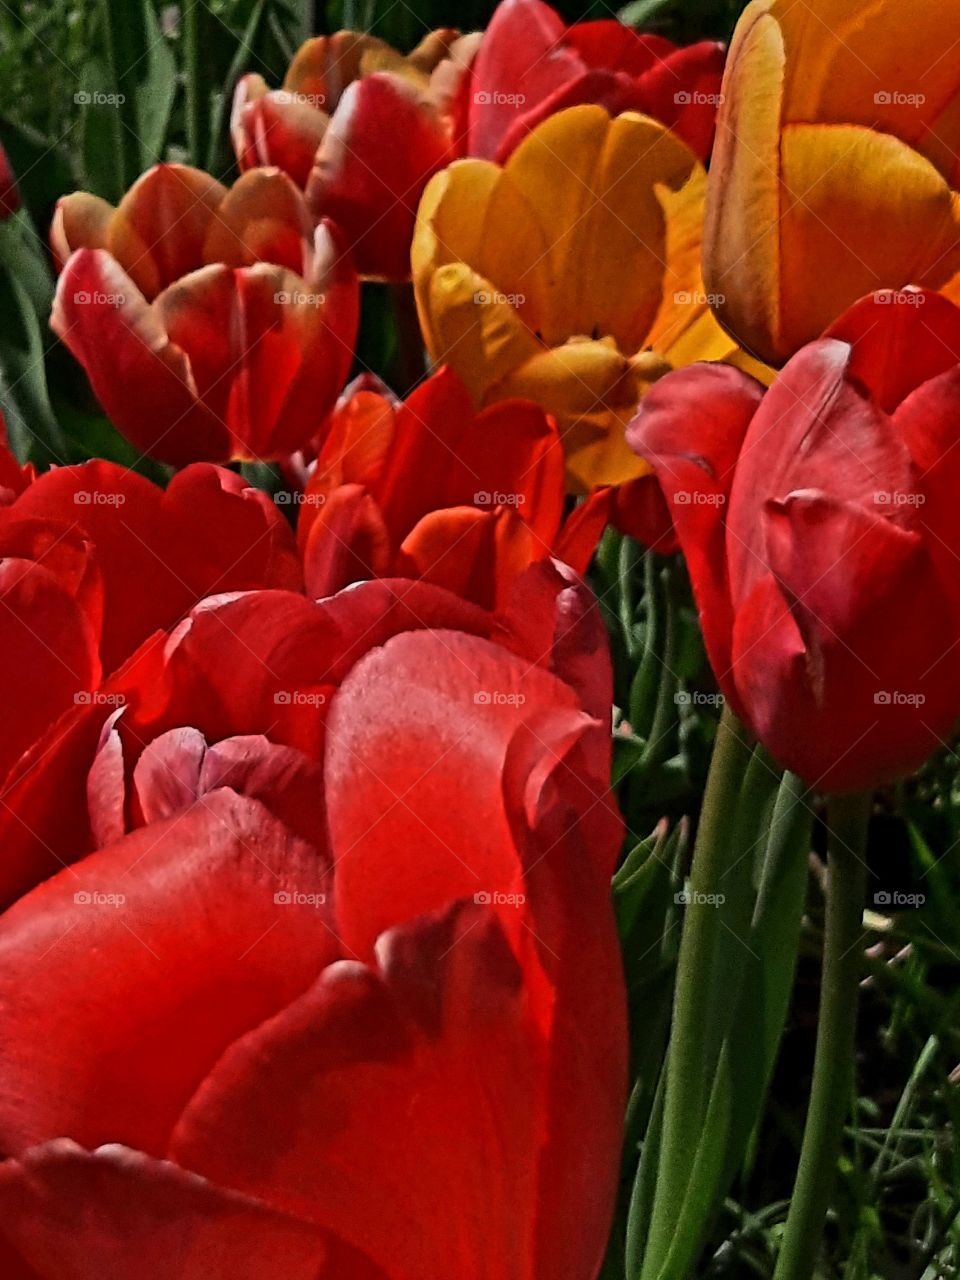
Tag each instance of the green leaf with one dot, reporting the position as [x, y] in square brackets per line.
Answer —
[156, 72]
[32, 426]
[641, 11]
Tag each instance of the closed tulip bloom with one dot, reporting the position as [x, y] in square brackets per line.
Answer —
[212, 324]
[530, 64]
[487, 500]
[819, 521]
[291, 1015]
[835, 170]
[358, 127]
[570, 276]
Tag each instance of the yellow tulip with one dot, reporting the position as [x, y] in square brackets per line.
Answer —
[570, 276]
[835, 171]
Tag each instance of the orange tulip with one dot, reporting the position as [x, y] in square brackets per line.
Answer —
[212, 324]
[835, 169]
[570, 276]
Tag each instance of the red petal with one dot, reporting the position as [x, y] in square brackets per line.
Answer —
[417, 738]
[391, 1091]
[901, 338]
[51, 597]
[139, 376]
[384, 143]
[133, 999]
[690, 427]
[522, 59]
[116, 1214]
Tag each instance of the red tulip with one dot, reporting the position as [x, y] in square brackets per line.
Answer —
[331, 959]
[530, 65]
[819, 520]
[431, 489]
[95, 558]
[357, 127]
[9, 195]
[212, 324]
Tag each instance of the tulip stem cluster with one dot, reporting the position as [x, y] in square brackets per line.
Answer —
[833, 1070]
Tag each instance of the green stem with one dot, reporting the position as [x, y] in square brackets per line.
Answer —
[125, 142]
[833, 1067]
[660, 739]
[196, 115]
[626, 568]
[688, 1072]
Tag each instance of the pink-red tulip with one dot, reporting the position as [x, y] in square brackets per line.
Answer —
[820, 522]
[336, 917]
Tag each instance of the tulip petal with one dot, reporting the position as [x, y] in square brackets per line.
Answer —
[158, 231]
[455, 701]
[900, 340]
[414, 1081]
[901, 227]
[142, 379]
[522, 59]
[51, 596]
[741, 231]
[369, 179]
[690, 427]
[191, 967]
[114, 1213]
[263, 218]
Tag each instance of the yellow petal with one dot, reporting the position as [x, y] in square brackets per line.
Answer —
[470, 213]
[591, 389]
[741, 235]
[601, 189]
[865, 212]
[884, 64]
[481, 336]
[81, 221]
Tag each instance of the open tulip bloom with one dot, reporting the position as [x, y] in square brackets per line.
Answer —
[212, 324]
[482, 572]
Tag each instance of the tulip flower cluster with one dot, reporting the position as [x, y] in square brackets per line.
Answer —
[309, 962]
